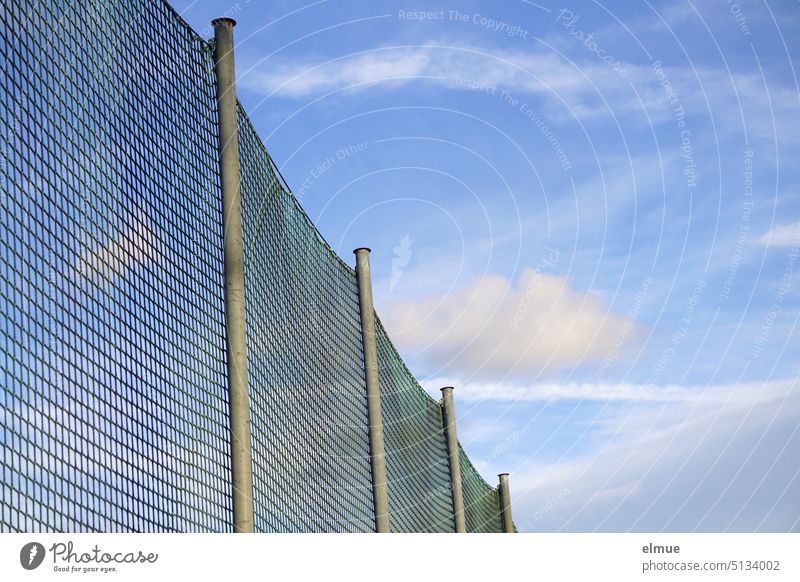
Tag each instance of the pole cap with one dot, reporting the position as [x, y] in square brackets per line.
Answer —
[502, 474]
[217, 21]
[446, 388]
[355, 251]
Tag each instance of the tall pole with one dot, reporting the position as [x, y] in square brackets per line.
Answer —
[380, 488]
[241, 455]
[505, 504]
[451, 438]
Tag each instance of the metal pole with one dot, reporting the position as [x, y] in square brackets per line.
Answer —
[380, 487]
[241, 455]
[449, 425]
[505, 504]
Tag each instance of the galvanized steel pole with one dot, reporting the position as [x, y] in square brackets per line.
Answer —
[451, 438]
[505, 504]
[380, 488]
[241, 455]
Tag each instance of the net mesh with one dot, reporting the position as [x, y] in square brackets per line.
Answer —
[481, 501]
[112, 348]
[111, 338]
[420, 490]
[305, 363]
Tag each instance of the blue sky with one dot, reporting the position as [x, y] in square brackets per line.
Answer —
[583, 216]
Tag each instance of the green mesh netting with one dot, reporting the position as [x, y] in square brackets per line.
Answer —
[113, 399]
[112, 346]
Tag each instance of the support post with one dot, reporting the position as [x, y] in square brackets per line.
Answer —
[241, 454]
[451, 438]
[505, 504]
[380, 488]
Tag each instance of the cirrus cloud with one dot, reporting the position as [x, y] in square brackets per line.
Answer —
[785, 235]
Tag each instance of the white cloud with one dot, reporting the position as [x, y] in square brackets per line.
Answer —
[133, 246]
[786, 235]
[497, 329]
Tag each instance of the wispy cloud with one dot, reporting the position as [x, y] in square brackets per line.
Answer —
[454, 66]
[305, 78]
[570, 87]
[786, 235]
[719, 461]
[606, 392]
[495, 328]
